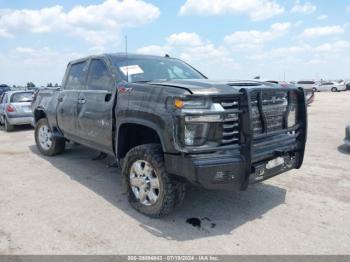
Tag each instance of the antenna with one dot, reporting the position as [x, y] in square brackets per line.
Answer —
[127, 60]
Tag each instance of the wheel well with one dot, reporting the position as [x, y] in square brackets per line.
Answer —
[131, 135]
[39, 114]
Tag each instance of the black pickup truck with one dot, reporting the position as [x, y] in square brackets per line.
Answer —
[167, 125]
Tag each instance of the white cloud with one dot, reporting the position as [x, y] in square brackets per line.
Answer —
[97, 24]
[191, 39]
[348, 9]
[322, 17]
[154, 50]
[22, 64]
[4, 33]
[205, 56]
[334, 47]
[255, 9]
[323, 31]
[255, 38]
[306, 8]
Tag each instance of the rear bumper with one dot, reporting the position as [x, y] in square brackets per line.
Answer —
[20, 120]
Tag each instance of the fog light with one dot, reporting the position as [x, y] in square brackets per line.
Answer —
[189, 137]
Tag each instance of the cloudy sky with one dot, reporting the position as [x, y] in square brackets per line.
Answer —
[231, 39]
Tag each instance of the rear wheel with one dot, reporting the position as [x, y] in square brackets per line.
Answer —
[7, 126]
[47, 143]
[151, 190]
[334, 89]
[314, 89]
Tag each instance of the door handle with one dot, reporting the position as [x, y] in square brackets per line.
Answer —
[82, 101]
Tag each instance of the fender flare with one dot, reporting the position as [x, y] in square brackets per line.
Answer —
[146, 123]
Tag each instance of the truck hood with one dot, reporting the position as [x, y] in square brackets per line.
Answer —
[210, 87]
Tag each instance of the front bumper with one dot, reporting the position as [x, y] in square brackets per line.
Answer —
[229, 170]
[246, 162]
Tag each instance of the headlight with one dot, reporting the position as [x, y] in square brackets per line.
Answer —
[293, 110]
[193, 103]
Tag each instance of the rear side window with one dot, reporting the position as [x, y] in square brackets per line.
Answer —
[76, 76]
[99, 78]
[22, 97]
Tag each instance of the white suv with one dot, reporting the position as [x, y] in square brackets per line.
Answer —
[306, 84]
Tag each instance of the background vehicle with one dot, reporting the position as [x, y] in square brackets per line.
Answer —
[330, 86]
[348, 86]
[166, 125]
[15, 109]
[3, 89]
[307, 84]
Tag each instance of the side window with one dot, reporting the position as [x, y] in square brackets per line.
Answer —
[99, 77]
[76, 76]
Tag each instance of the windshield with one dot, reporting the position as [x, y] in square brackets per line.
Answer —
[22, 97]
[149, 69]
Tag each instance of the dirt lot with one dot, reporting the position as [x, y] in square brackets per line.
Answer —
[71, 204]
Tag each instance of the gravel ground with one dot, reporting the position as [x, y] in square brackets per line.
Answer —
[70, 204]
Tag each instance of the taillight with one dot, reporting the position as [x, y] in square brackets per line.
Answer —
[10, 108]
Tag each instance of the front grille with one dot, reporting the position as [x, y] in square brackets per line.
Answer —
[269, 108]
[230, 126]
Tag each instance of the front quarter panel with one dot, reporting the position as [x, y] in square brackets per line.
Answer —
[146, 105]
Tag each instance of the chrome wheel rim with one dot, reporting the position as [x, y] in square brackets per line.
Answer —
[45, 137]
[144, 182]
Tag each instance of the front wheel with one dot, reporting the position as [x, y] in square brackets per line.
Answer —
[47, 143]
[151, 190]
[334, 89]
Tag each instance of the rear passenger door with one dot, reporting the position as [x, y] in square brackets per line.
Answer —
[95, 107]
[68, 99]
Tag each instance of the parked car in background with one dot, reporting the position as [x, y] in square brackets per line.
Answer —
[347, 135]
[15, 109]
[3, 89]
[306, 84]
[348, 86]
[330, 86]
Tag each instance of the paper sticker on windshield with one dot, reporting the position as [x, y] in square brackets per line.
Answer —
[131, 70]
